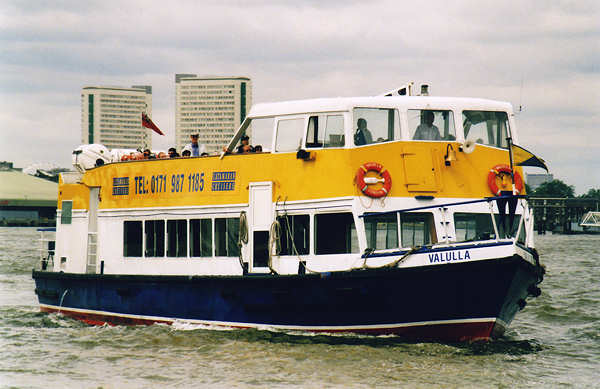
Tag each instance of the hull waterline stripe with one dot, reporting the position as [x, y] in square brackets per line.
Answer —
[54, 308]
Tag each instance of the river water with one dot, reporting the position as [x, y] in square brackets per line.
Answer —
[553, 342]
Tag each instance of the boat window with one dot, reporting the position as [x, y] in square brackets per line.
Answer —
[260, 132]
[132, 239]
[176, 238]
[417, 229]
[335, 233]
[325, 131]
[486, 127]
[373, 125]
[226, 237]
[289, 134]
[382, 231]
[298, 227]
[426, 124]
[66, 212]
[200, 238]
[473, 226]
[155, 238]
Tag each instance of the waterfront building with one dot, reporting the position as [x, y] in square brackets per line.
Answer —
[112, 116]
[535, 180]
[26, 200]
[210, 106]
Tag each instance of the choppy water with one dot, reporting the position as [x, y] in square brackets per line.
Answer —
[554, 342]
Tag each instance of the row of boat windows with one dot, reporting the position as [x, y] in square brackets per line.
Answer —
[417, 229]
[334, 233]
[376, 125]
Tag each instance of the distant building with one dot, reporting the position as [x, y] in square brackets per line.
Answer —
[5, 165]
[112, 116]
[535, 180]
[213, 107]
[26, 200]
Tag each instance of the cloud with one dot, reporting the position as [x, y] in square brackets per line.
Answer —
[543, 56]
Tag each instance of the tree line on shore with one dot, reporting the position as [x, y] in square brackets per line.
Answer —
[557, 188]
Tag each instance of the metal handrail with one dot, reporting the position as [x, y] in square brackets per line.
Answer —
[485, 199]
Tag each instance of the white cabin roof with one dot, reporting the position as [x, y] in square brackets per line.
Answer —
[338, 104]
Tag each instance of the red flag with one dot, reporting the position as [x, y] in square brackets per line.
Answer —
[147, 122]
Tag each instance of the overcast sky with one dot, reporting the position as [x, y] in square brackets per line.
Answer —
[543, 55]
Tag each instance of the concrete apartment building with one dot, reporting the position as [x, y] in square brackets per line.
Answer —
[535, 180]
[210, 106]
[112, 116]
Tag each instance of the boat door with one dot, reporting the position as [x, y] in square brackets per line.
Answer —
[260, 217]
[92, 241]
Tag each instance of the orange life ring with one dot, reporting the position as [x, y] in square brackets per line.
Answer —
[363, 182]
[500, 170]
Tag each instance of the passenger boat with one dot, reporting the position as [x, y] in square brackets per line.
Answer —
[393, 214]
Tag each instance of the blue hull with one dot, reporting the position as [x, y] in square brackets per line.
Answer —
[460, 301]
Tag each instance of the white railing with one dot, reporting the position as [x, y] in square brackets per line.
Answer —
[46, 247]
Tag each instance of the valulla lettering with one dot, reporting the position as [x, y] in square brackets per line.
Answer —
[449, 256]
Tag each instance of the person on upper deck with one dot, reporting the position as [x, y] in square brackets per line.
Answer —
[245, 146]
[173, 153]
[195, 149]
[427, 130]
[362, 136]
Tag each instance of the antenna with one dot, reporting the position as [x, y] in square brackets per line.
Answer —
[521, 96]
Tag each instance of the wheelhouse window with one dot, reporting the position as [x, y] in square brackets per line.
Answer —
[289, 134]
[417, 229]
[373, 125]
[473, 226]
[132, 239]
[155, 238]
[295, 234]
[227, 237]
[325, 131]
[382, 231]
[201, 238]
[260, 131]
[486, 127]
[66, 212]
[426, 124]
[335, 233]
[176, 238]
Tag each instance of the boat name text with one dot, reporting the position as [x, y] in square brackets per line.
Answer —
[449, 256]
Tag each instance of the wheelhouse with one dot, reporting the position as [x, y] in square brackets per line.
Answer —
[332, 123]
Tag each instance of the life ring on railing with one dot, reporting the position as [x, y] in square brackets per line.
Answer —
[500, 171]
[363, 182]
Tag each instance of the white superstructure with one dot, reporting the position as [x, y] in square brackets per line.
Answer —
[210, 106]
[112, 116]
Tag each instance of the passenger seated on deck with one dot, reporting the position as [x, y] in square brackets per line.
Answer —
[258, 149]
[173, 153]
[362, 136]
[426, 130]
[186, 153]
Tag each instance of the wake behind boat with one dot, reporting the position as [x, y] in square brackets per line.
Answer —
[383, 215]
